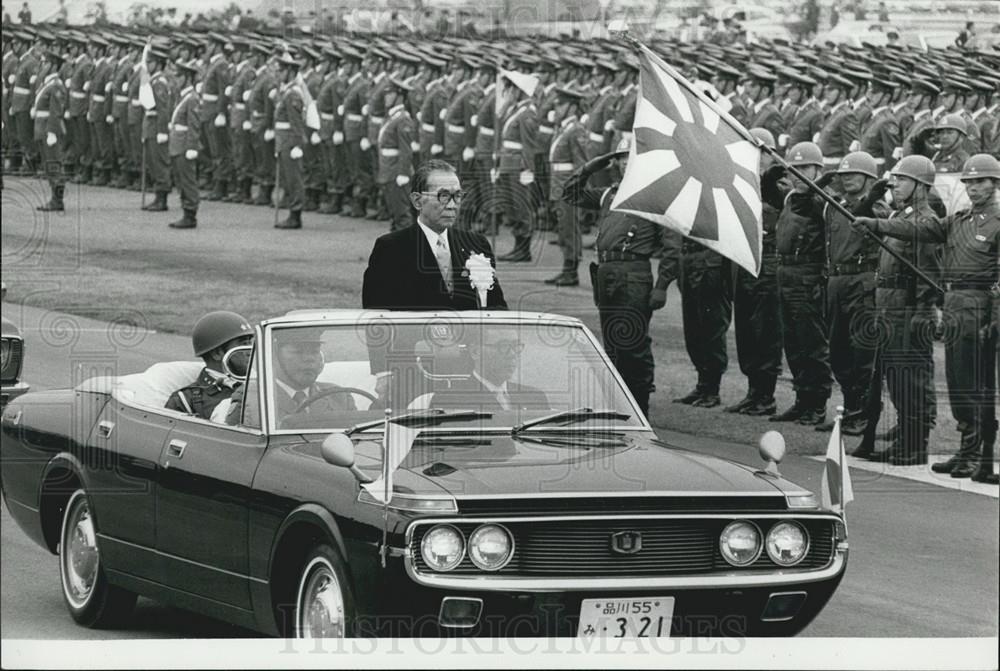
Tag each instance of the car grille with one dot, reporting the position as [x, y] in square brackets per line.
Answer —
[13, 352]
[582, 548]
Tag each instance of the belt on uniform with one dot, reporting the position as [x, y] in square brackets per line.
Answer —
[562, 167]
[800, 259]
[486, 131]
[42, 114]
[240, 106]
[152, 113]
[78, 94]
[856, 268]
[389, 151]
[121, 99]
[615, 255]
[548, 130]
[97, 99]
[452, 128]
[20, 90]
[180, 128]
[256, 113]
[209, 97]
[136, 103]
[323, 115]
[377, 119]
[428, 127]
[282, 125]
[510, 144]
[969, 285]
[355, 117]
[596, 137]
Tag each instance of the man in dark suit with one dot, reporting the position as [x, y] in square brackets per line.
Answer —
[496, 357]
[423, 266]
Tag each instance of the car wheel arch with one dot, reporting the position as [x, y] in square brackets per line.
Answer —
[303, 529]
[63, 475]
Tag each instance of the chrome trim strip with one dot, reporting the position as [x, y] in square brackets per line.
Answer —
[186, 561]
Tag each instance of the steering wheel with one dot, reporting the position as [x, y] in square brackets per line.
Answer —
[330, 392]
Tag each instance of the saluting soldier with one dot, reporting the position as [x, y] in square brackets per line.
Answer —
[50, 130]
[971, 245]
[567, 153]
[185, 144]
[263, 93]
[289, 138]
[156, 132]
[624, 290]
[214, 335]
[395, 151]
[923, 94]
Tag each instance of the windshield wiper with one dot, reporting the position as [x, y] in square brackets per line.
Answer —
[425, 417]
[570, 417]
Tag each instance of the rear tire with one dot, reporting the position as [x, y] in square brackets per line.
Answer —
[92, 601]
[324, 603]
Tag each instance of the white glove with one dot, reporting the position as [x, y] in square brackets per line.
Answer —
[436, 149]
[107, 87]
[366, 144]
[340, 110]
[32, 112]
[31, 80]
[419, 116]
[50, 139]
[11, 79]
[897, 153]
[314, 138]
[816, 137]
[402, 180]
[66, 114]
[338, 137]
[124, 87]
[854, 146]
[295, 153]
[247, 125]
[272, 94]
[191, 154]
[228, 91]
[551, 116]
[86, 86]
[526, 177]
[609, 125]
[246, 95]
[198, 87]
[468, 154]
[474, 120]
[66, 83]
[364, 110]
[220, 120]
[443, 114]
[415, 147]
[109, 119]
[783, 139]
[584, 119]
[494, 175]
[161, 138]
[268, 135]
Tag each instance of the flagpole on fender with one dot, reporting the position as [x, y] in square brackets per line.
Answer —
[383, 551]
[738, 127]
[842, 464]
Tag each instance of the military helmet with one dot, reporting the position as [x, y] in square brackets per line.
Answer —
[860, 162]
[917, 167]
[764, 136]
[218, 328]
[805, 153]
[980, 166]
[952, 122]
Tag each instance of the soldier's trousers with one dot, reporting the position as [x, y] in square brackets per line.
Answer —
[568, 223]
[397, 202]
[52, 163]
[103, 149]
[243, 155]
[360, 166]
[970, 361]
[707, 305]
[519, 203]
[263, 153]
[186, 178]
[25, 127]
[157, 165]
[621, 292]
[757, 318]
[803, 328]
[850, 313]
[315, 175]
[218, 147]
[292, 179]
[136, 144]
[337, 177]
[479, 200]
[78, 154]
[123, 151]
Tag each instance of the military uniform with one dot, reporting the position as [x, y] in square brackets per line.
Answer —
[358, 159]
[459, 135]
[765, 114]
[915, 141]
[482, 197]
[519, 194]
[240, 128]
[22, 94]
[214, 104]
[805, 124]
[837, 133]
[103, 144]
[289, 134]
[201, 398]
[567, 153]
[77, 156]
[185, 124]
[134, 118]
[706, 285]
[395, 169]
[881, 137]
[261, 108]
[123, 166]
[156, 134]
[330, 105]
[952, 160]
[50, 132]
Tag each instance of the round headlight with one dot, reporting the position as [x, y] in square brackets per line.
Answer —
[490, 547]
[442, 548]
[740, 543]
[787, 543]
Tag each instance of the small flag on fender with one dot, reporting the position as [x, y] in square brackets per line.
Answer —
[396, 443]
[837, 491]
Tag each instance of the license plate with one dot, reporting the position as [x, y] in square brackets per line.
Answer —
[645, 617]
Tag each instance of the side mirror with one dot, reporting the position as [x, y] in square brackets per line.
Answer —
[772, 451]
[236, 362]
[338, 450]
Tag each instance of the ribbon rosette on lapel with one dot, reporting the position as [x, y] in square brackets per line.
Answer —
[481, 275]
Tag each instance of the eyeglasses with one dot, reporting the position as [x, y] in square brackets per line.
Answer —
[444, 195]
[508, 347]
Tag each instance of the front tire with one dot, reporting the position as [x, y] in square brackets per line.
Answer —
[324, 604]
[92, 601]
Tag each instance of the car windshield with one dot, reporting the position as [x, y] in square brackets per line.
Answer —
[332, 377]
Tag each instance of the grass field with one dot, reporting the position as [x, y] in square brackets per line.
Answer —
[106, 259]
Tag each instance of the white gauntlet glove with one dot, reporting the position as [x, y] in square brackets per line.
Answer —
[365, 144]
[220, 120]
[338, 137]
[402, 180]
[295, 153]
[191, 154]
[468, 154]
[314, 138]
[526, 177]
[50, 139]
[161, 138]
[268, 135]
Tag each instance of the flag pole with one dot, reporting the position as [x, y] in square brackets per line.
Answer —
[837, 420]
[383, 550]
[738, 127]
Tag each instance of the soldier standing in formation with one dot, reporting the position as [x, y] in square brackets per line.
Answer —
[185, 144]
[50, 105]
[289, 138]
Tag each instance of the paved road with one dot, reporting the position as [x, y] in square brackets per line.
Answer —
[923, 558]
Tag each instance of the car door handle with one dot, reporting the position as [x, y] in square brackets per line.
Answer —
[104, 429]
[175, 448]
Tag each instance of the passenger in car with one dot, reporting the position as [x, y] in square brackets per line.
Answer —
[213, 336]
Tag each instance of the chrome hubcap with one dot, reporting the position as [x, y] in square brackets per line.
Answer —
[321, 603]
[81, 558]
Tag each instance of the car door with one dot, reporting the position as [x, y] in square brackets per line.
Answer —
[202, 500]
[121, 462]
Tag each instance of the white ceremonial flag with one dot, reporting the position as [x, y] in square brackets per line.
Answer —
[396, 444]
[837, 491]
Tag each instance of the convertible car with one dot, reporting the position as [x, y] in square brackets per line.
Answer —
[524, 493]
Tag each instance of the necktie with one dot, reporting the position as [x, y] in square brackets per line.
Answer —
[444, 261]
[298, 398]
[504, 399]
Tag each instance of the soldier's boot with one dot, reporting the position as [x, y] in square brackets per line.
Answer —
[911, 450]
[567, 276]
[101, 178]
[329, 204]
[741, 404]
[985, 471]
[55, 203]
[855, 422]
[760, 406]
[246, 191]
[293, 221]
[135, 181]
[708, 399]
[952, 462]
[359, 206]
[88, 174]
[310, 204]
[189, 220]
[815, 413]
[263, 195]
[521, 252]
[158, 204]
[690, 397]
[793, 414]
[967, 461]
[233, 194]
[218, 192]
[865, 449]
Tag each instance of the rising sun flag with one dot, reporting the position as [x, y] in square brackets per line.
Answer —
[692, 167]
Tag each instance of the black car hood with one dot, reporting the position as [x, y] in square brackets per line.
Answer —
[630, 462]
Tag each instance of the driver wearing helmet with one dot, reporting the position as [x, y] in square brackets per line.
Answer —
[213, 336]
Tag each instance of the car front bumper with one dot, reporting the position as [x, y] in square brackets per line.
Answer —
[9, 392]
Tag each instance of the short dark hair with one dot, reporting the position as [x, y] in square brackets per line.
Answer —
[419, 182]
